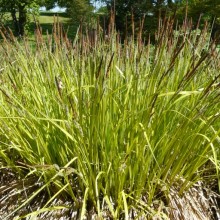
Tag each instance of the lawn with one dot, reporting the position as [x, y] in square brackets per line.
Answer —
[46, 21]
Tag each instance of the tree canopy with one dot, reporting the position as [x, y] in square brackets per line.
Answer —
[19, 9]
[209, 10]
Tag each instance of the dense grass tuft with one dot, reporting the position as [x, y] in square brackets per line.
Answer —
[114, 129]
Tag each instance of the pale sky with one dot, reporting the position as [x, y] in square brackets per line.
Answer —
[58, 9]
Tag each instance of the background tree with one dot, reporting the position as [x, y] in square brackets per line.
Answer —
[19, 10]
[124, 9]
[78, 9]
[206, 10]
[153, 9]
[209, 10]
[128, 11]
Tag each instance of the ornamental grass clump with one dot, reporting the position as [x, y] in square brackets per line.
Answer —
[110, 130]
